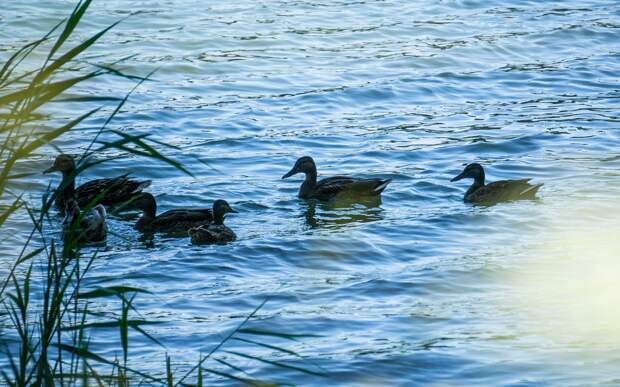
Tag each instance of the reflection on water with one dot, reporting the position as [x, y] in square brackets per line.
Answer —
[571, 283]
[416, 288]
[343, 211]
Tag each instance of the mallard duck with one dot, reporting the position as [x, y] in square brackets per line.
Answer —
[329, 188]
[498, 191]
[83, 227]
[113, 191]
[215, 232]
[177, 220]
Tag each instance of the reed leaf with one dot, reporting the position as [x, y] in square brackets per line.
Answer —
[43, 93]
[111, 291]
[143, 149]
[72, 22]
[17, 203]
[169, 377]
[276, 363]
[16, 59]
[264, 332]
[233, 377]
[274, 347]
[69, 55]
[109, 324]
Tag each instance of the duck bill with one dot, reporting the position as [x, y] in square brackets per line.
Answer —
[50, 170]
[233, 211]
[290, 173]
[459, 177]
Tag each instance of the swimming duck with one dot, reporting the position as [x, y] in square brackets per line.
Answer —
[115, 190]
[83, 227]
[177, 220]
[328, 188]
[498, 191]
[215, 232]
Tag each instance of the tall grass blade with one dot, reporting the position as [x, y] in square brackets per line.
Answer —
[264, 332]
[68, 56]
[11, 209]
[111, 291]
[221, 343]
[70, 25]
[169, 378]
[276, 363]
[115, 112]
[233, 377]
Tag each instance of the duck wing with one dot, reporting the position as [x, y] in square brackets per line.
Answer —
[504, 190]
[211, 233]
[182, 219]
[332, 186]
[115, 190]
[329, 187]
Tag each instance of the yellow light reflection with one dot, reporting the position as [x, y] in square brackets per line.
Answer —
[570, 288]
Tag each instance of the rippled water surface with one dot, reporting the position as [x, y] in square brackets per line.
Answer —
[421, 287]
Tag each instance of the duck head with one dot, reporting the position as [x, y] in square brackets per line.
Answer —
[64, 163]
[302, 165]
[221, 208]
[472, 171]
[144, 202]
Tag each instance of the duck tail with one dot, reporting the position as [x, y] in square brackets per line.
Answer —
[382, 185]
[531, 190]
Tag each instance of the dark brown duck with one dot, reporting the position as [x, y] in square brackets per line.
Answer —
[177, 220]
[328, 188]
[497, 191]
[113, 191]
[216, 232]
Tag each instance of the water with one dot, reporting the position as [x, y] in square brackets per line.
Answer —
[421, 288]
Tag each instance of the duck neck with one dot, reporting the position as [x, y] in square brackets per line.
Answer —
[150, 211]
[68, 183]
[308, 185]
[477, 184]
[148, 215]
[218, 218]
[479, 179]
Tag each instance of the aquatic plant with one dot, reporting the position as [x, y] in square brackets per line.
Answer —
[47, 320]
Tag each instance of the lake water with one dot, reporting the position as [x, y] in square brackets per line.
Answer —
[421, 288]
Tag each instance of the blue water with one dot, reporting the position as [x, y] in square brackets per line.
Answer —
[421, 288]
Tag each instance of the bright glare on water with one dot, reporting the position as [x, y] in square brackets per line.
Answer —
[418, 288]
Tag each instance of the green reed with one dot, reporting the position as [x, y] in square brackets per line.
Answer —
[46, 320]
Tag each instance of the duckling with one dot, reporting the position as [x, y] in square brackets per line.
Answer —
[177, 220]
[84, 227]
[112, 191]
[215, 232]
[331, 187]
[498, 191]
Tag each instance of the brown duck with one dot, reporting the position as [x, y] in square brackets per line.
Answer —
[216, 232]
[329, 188]
[177, 220]
[498, 191]
[108, 191]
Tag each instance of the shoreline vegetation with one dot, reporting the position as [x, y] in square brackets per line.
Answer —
[49, 312]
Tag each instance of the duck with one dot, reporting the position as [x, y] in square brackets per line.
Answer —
[107, 191]
[84, 227]
[497, 191]
[331, 187]
[215, 232]
[177, 220]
